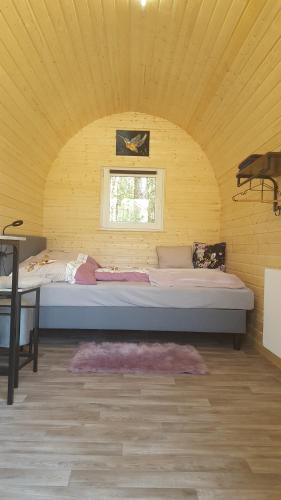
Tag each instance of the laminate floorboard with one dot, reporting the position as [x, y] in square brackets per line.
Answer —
[100, 437]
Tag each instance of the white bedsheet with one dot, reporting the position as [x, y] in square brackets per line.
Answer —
[122, 294]
[208, 278]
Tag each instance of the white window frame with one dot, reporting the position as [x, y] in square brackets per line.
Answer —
[129, 226]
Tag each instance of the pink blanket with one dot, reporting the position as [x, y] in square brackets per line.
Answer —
[107, 274]
[211, 278]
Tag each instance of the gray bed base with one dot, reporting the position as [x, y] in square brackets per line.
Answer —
[144, 318]
[225, 321]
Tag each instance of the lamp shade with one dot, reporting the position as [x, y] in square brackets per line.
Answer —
[15, 223]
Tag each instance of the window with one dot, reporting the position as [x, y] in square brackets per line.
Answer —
[132, 199]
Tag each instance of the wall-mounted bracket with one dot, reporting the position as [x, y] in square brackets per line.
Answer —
[262, 168]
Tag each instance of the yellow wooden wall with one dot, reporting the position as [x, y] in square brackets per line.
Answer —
[240, 114]
[252, 232]
[21, 189]
[72, 195]
[213, 67]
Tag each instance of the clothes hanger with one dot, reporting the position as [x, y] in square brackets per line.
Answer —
[262, 187]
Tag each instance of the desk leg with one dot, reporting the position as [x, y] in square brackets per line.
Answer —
[36, 331]
[13, 328]
[17, 353]
[11, 369]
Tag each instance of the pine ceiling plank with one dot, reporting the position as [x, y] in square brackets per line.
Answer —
[21, 192]
[155, 52]
[66, 76]
[105, 58]
[10, 126]
[191, 13]
[175, 19]
[258, 105]
[224, 20]
[76, 45]
[11, 198]
[18, 162]
[27, 134]
[248, 80]
[19, 109]
[118, 55]
[48, 57]
[139, 51]
[143, 28]
[44, 64]
[260, 101]
[122, 42]
[15, 34]
[71, 68]
[263, 124]
[14, 133]
[246, 21]
[92, 56]
[13, 81]
[271, 144]
[189, 59]
[244, 74]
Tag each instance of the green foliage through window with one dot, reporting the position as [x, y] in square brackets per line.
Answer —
[132, 198]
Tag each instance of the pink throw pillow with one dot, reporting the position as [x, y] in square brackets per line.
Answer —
[85, 274]
[84, 258]
[80, 273]
[91, 260]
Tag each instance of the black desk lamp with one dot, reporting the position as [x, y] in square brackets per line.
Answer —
[16, 223]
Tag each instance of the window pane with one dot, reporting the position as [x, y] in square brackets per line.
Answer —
[132, 199]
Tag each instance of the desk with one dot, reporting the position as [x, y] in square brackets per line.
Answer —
[15, 294]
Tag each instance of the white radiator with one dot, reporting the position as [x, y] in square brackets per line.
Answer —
[272, 311]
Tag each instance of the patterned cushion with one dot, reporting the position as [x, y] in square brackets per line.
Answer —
[209, 256]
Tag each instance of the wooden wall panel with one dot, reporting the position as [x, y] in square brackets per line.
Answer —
[72, 196]
[241, 118]
[212, 67]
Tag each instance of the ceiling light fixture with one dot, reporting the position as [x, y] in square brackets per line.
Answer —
[143, 3]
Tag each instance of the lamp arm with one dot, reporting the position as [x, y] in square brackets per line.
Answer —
[4, 228]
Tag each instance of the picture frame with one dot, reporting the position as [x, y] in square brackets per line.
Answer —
[132, 142]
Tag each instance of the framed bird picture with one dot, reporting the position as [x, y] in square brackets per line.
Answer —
[132, 142]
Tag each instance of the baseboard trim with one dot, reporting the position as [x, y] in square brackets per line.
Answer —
[275, 360]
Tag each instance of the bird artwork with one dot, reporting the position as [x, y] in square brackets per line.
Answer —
[132, 142]
[135, 143]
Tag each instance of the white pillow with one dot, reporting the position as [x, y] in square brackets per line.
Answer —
[54, 271]
[51, 255]
[49, 264]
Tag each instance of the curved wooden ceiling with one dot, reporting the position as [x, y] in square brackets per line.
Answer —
[210, 66]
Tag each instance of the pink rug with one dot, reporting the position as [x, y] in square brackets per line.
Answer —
[109, 357]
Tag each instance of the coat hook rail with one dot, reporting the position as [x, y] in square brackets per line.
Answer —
[262, 187]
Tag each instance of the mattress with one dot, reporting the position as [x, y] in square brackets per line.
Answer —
[121, 294]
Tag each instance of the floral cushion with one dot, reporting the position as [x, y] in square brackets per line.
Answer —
[209, 256]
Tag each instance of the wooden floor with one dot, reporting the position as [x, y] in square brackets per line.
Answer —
[214, 437]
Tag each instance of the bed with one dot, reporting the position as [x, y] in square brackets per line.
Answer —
[139, 306]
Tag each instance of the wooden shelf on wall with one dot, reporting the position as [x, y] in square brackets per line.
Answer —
[267, 165]
[264, 167]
